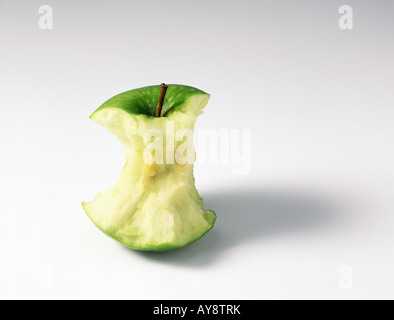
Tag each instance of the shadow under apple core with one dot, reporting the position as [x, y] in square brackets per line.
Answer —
[249, 215]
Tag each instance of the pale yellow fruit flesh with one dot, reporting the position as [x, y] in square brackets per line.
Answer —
[152, 207]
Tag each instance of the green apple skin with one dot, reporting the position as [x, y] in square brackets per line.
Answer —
[152, 207]
[143, 101]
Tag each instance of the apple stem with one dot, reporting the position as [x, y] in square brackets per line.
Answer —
[163, 90]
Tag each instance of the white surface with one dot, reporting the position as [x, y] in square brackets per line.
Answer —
[319, 102]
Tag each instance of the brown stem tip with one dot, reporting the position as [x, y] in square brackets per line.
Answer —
[163, 90]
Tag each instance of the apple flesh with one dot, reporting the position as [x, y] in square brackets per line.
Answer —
[153, 206]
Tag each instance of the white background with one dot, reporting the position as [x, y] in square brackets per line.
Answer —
[313, 218]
